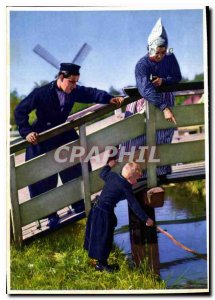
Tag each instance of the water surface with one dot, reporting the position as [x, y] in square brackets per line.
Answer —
[181, 269]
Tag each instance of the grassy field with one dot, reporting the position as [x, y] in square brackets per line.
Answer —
[59, 262]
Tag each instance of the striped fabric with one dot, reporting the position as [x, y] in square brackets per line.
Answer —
[162, 136]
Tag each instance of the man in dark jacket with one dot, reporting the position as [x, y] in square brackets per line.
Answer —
[53, 103]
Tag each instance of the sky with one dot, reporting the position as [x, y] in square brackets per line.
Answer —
[118, 39]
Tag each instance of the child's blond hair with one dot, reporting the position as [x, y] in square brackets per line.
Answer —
[131, 169]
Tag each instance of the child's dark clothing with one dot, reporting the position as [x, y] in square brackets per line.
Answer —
[102, 220]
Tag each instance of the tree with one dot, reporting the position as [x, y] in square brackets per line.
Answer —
[199, 77]
[14, 101]
[179, 100]
[184, 79]
[39, 84]
[114, 91]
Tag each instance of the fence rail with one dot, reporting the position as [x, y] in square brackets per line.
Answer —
[89, 183]
[91, 114]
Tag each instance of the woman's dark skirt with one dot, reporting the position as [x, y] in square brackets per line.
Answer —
[99, 232]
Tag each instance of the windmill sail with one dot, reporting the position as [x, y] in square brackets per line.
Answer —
[47, 56]
[78, 59]
[82, 53]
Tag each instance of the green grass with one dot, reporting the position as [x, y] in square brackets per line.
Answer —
[59, 262]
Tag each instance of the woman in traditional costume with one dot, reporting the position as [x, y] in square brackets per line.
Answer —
[158, 67]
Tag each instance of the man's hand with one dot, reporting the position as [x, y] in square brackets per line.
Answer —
[32, 138]
[168, 115]
[149, 222]
[112, 163]
[117, 101]
[157, 82]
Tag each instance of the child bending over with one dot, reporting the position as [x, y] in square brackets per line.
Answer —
[102, 220]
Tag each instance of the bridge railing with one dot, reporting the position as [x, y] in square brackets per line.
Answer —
[89, 183]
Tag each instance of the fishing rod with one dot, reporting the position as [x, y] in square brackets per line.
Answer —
[204, 256]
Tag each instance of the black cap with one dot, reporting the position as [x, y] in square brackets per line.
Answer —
[69, 69]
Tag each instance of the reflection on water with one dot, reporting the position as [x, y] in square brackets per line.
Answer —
[181, 269]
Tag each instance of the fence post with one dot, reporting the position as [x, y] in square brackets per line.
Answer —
[151, 141]
[150, 232]
[15, 212]
[144, 241]
[85, 169]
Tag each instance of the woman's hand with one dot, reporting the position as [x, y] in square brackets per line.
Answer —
[157, 82]
[32, 138]
[168, 115]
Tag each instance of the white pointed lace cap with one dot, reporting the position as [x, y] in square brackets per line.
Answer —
[157, 37]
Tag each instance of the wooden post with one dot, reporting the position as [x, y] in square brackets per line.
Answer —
[150, 233]
[143, 238]
[11, 227]
[15, 212]
[85, 170]
[150, 141]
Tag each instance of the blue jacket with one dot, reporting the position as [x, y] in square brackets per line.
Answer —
[46, 103]
[168, 69]
[117, 188]
[102, 220]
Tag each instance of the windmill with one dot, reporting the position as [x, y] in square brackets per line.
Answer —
[78, 59]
